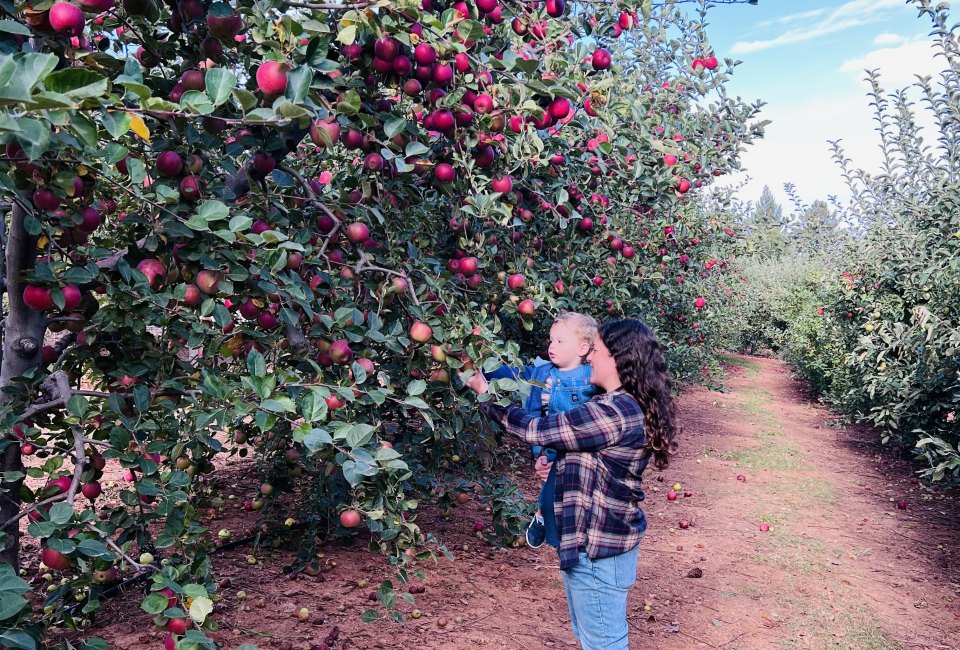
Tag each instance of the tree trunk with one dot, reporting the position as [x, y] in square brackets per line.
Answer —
[22, 341]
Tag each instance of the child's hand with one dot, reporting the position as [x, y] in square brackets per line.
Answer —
[542, 468]
[477, 383]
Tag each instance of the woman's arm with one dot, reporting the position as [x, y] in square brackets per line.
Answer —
[590, 427]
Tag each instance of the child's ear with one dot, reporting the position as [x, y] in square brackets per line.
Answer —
[584, 349]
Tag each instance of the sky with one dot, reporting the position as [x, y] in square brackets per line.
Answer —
[806, 60]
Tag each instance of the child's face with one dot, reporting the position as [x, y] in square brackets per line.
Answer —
[566, 348]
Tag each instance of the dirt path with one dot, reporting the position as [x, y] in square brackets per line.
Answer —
[840, 566]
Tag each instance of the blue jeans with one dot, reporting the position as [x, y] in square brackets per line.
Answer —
[597, 598]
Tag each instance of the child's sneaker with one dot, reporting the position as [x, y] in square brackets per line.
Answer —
[536, 532]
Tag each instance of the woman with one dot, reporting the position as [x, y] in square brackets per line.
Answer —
[602, 449]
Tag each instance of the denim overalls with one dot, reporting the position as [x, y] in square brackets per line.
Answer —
[568, 390]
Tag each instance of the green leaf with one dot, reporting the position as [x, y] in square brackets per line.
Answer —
[213, 211]
[256, 364]
[33, 136]
[416, 387]
[347, 35]
[84, 129]
[21, 72]
[394, 125]
[78, 83]
[200, 608]
[298, 83]
[155, 603]
[94, 548]
[116, 123]
[240, 223]
[17, 640]
[61, 513]
[416, 403]
[370, 616]
[77, 406]
[220, 84]
[350, 103]
[13, 27]
[279, 405]
[316, 440]
[415, 149]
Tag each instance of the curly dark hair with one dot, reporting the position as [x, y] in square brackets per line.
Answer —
[643, 372]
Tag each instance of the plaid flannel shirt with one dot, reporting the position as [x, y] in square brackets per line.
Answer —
[600, 461]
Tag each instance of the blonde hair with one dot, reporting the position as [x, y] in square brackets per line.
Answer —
[582, 325]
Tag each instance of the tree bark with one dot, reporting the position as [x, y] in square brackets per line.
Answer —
[22, 341]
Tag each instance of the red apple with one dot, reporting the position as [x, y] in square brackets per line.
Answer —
[272, 77]
[208, 282]
[91, 490]
[526, 307]
[445, 173]
[350, 518]
[37, 298]
[420, 332]
[600, 60]
[66, 19]
[154, 270]
[358, 232]
[55, 559]
[516, 281]
[502, 184]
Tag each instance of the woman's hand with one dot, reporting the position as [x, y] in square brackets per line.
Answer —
[477, 383]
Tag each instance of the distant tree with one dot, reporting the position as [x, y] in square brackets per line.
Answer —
[765, 226]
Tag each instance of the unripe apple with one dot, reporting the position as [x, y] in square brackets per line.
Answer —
[438, 353]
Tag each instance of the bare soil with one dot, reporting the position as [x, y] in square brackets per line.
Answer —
[841, 566]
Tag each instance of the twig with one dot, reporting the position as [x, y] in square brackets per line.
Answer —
[80, 457]
[109, 542]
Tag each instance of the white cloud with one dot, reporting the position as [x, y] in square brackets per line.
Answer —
[792, 18]
[853, 13]
[899, 65]
[888, 39]
[796, 148]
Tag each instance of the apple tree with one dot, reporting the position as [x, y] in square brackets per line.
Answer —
[277, 229]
